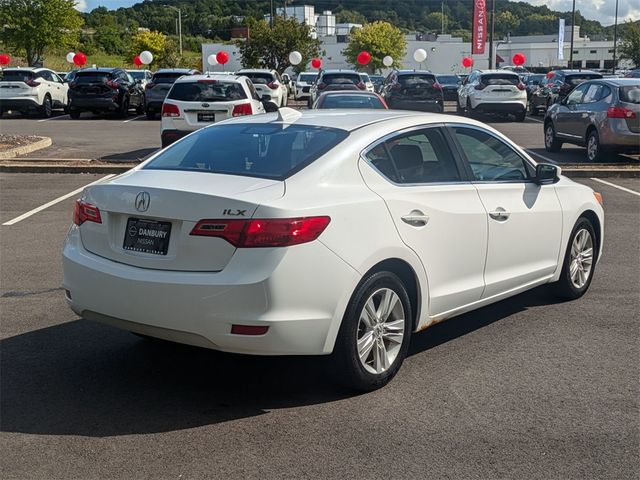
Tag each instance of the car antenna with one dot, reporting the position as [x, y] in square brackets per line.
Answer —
[288, 115]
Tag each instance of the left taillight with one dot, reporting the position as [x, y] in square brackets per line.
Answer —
[170, 110]
[437, 86]
[242, 109]
[620, 112]
[361, 86]
[32, 83]
[267, 232]
[85, 212]
[273, 85]
[521, 86]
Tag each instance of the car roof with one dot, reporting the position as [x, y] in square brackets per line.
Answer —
[336, 93]
[337, 70]
[137, 70]
[501, 72]
[99, 69]
[31, 69]
[575, 72]
[618, 82]
[174, 70]
[256, 70]
[195, 78]
[406, 72]
[308, 73]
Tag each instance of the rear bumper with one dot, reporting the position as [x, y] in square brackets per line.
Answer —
[450, 94]
[167, 137]
[101, 104]
[199, 308]
[154, 105]
[418, 105]
[620, 139]
[501, 107]
[21, 103]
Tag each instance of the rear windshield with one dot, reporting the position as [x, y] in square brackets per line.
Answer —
[417, 79]
[365, 77]
[307, 78]
[259, 78]
[500, 79]
[16, 76]
[448, 79]
[578, 79]
[138, 75]
[261, 150]
[207, 91]
[352, 101]
[534, 79]
[630, 94]
[92, 77]
[341, 78]
[166, 78]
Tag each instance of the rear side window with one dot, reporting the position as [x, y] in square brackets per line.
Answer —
[341, 78]
[630, 94]
[93, 77]
[595, 93]
[207, 91]
[352, 101]
[166, 78]
[16, 76]
[415, 80]
[261, 150]
[448, 79]
[499, 79]
[578, 79]
[259, 78]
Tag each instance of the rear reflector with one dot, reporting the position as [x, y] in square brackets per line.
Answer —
[249, 329]
[260, 233]
[170, 110]
[85, 212]
[242, 109]
[598, 197]
[620, 112]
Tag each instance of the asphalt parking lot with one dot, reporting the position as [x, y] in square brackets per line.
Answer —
[527, 388]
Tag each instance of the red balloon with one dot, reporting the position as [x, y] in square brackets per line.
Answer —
[549, 74]
[136, 61]
[316, 63]
[79, 59]
[364, 58]
[4, 59]
[518, 59]
[222, 57]
[467, 62]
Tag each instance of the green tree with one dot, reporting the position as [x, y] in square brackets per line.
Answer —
[506, 22]
[270, 47]
[31, 26]
[433, 21]
[165, 52]
[630, 45]
[379, 39]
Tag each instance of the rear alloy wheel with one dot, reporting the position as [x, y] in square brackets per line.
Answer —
[520, 116]
[47, 108]
[375, 333]
[579, 261]
[124, 108]
[594, 150]
[551, 142]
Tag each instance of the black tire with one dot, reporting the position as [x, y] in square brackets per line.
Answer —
[551, 142]
[123, 112]
[140, 109]
[594, 149]
[151, 115]
[74, 114]
[349, 370]
[533, 111]
[469, 109]
[459, 109]
[565, 287]
[46, 110]
[520, 116]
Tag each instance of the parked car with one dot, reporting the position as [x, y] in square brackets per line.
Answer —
[450, 85]
[28, 90]
[329, 80]
[268, 82]
[532, 81]
[493, 91]
[143, 77]
[413, 90]
[556, 86]
[303, 84]
[157, 89]
[311, 233]
[378, 81]
[196, 101]
[368, 84]
[103, 90]
[633, 73]
[349, 99]
[602, 115]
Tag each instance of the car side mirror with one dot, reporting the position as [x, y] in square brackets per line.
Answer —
[547, 173]
[269, 106]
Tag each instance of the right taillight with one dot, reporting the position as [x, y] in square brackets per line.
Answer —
[620, 112]
[361, 85]
[85, 212]
[480, 86]
[260, 233]
[170, 110]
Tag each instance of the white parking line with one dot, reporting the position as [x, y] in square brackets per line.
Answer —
[53, 202]
[628, 190]
[535, 120]
[546, 159]
[53, 118]
[134, 118]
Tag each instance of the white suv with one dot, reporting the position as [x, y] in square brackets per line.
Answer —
[493, 91]
[303, 84]
[268, 82]
[196, 101]
[29, 89]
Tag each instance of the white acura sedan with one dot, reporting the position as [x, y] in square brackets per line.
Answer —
[326, 232]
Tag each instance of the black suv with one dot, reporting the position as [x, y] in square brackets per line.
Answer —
[100, 90]
[156, 90]
[413, 90]
[555, 86]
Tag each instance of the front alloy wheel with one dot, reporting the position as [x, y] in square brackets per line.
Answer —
[579, 261]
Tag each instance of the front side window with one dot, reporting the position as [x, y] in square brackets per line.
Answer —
[490, 158]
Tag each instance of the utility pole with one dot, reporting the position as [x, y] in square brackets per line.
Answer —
[271, 15]
[493, 18]
[573, 26]
[615, 40]
[285, 9]
[442, 18]
[179, 29]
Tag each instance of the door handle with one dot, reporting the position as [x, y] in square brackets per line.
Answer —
[499, 214]
[416, 218]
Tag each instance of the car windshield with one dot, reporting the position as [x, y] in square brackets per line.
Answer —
[16, 75]
[500, 79]
[630, 94]
[448, 79]
[534, 79]
[137, 74]
[207, 91]
[340, 78]
[578, 79]
[259, 78]
[166, 78]
[352, 101]
[263, 150]
[415, 80]
[307, 77]
[92, 77]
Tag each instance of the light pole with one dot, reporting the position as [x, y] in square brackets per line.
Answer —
[573, 26]
[493, 18]
[179, 24]
[615, 40]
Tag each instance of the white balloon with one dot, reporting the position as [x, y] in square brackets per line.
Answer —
[212, 60]
[70, 56]
[146, 57]
[420, 55]
[387, 61]
[295, 58]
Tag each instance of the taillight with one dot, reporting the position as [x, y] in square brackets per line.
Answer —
[437, 86]
[620, 112]
[112, 84]
[242, 109]
[85, 212]
[170, 110]
[361, 86]
[522, 86]
[149, 86]
[480, 86]
[32, 83]
[273, 85]
[73, 85]
[322, 86]
[269, 232]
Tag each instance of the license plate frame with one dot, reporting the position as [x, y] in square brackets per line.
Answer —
[207, 117]
[143, 235]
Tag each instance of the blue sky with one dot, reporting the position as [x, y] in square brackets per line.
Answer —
[601, 10]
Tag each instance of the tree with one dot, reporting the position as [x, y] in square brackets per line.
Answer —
[433, 21]
[630, 45]
[30, 26]
[379, 39]
[269, 47]
[165, 53]
[506, 22]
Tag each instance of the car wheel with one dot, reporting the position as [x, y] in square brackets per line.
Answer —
[47, 108]
[459, 109]
[140, 108]
[375, 333]
[151, 115]
[551, 142]
[520, 116]
[579, 262]
[594, 150]
[74, 114]
[532, 109]
[469, 109]
[124, 108]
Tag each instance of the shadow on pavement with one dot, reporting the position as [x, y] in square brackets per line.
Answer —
[83, 378]
[573, 154]
[132, 156]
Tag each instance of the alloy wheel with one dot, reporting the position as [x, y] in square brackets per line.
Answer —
[581, 258]
[592, 148]
[548, 136]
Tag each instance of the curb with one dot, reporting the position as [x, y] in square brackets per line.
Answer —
[44, 142]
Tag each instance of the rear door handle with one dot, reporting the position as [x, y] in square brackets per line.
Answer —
[416, 218]
[499, 214]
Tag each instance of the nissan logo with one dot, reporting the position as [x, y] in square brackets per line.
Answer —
[143, 199]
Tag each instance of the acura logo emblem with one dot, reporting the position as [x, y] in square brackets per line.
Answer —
[143, 199]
